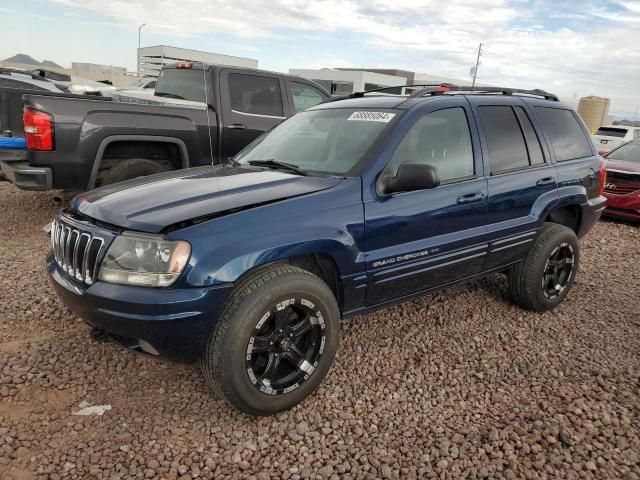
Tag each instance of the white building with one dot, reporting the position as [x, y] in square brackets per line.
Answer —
[152, 59]
[344, 81]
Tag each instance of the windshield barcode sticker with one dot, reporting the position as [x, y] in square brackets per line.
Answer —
[383, 117]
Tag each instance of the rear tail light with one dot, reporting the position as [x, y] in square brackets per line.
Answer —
[38, 129]
[602, 177]
[185, 65]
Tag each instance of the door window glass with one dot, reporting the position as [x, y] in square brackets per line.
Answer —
[505, 141]
[441, 139]
[567, 136]
[255, 95]
[533, 143]
[305, 96]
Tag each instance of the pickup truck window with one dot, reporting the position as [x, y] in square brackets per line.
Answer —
[181, 83]
[505, 140]
[326, 141]
[255, 95]
[305, 96]
[567, 137]
[440, 139]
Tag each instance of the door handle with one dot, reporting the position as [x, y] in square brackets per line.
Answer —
[471, 198]
[545, 181]
[237, 126]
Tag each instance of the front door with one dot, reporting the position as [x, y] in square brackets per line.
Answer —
[251, 104]
[427, 238]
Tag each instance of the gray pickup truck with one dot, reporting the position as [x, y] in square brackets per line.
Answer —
[200, 114]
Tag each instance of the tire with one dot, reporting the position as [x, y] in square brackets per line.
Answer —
[531, 285]
[132, 168]
[230, 363]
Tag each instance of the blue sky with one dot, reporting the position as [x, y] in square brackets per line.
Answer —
[570, 48]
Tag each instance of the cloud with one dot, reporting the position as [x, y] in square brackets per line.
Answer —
[588, 47]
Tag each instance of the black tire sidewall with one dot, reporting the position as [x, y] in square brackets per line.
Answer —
[132, 168]
[558, 237]
[242, 324]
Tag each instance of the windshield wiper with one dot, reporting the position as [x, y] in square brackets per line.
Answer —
[271, 163]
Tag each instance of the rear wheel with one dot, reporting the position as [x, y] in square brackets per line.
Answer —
[274, 341]
[544, 278]
[132, 168]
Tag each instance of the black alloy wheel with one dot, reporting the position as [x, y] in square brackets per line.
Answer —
[558, 270]
[285, 346]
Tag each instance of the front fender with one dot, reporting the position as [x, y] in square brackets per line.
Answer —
[328, 222]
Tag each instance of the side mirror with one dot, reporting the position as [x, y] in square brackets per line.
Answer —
[411, 176]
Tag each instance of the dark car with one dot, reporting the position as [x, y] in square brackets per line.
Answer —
[345, 208]
[623, 181]
[200, 115]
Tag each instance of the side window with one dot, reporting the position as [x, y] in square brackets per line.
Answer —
[7, 82]
[533, 142]
[256, 95]
[305, 96]
[505, 141]
[441, 139]
[566, 135]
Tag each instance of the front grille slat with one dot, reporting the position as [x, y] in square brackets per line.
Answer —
[76, 252]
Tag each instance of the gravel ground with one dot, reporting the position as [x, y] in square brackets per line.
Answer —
[461, 384]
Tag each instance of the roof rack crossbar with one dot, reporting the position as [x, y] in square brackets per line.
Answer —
[444, 88]
[381, 89]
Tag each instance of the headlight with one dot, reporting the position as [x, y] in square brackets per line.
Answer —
[147, 260]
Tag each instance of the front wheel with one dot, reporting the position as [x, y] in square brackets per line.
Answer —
[274, 342]
[544, 278]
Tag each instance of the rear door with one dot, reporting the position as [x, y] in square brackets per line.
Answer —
[423, 239]
[520, 174]
[251, 104]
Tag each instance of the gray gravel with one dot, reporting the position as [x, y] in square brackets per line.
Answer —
[461, 384]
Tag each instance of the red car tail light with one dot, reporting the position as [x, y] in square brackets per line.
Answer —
[38, 129]
[602, 177]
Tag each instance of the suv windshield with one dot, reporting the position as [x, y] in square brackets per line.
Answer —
[326, 141]
[181, 83]
[629, 152]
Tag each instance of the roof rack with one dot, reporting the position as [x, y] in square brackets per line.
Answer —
[374, 90]
[445, 88]
[442, 88]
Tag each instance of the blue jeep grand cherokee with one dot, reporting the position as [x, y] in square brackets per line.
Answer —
[347, 207]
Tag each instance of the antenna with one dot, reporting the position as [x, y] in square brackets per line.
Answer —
[475, 69]
[206, 101]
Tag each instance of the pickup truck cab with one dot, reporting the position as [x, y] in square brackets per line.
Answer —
[350, 206]
[82, 142]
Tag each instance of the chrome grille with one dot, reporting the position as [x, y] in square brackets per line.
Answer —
[76, 252]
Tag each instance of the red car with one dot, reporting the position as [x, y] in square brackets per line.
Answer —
[622, 188]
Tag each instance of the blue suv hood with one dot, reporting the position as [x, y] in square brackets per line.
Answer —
[149, 204]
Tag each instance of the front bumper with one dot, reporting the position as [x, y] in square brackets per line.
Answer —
[624, 206]
[16, 169]
[174, 322]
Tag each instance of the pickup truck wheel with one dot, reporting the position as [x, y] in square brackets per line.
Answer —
[274, 341]
[132, 168]
[546, 275]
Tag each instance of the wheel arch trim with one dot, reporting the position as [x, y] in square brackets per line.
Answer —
[182, 147]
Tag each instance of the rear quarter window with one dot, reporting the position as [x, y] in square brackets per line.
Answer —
[567, 136]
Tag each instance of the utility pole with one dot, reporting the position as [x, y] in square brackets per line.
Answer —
[475, 69]
[138, 52]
